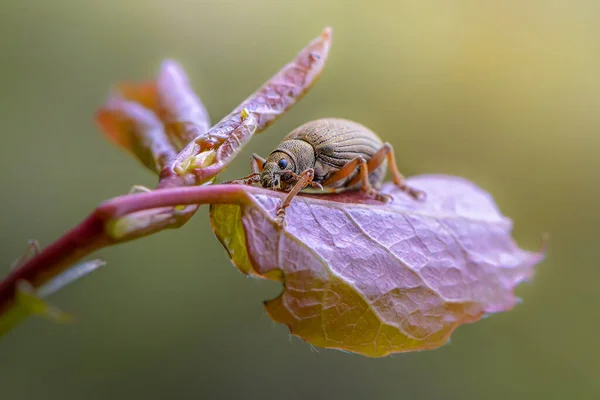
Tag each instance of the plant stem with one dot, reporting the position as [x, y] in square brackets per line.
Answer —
[92, 233]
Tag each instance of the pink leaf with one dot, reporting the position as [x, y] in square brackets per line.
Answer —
[137, 130]
[376, 278]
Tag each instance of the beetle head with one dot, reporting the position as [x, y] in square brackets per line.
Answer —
[273, 175]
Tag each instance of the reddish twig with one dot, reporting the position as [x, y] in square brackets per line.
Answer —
[95, 232]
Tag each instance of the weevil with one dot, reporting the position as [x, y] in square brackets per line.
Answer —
[330, 154]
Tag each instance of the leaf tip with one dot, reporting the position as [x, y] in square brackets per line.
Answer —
[32, 304]
[172, 69]
[69, 276]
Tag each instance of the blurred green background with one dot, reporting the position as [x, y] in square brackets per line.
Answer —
[505, 93]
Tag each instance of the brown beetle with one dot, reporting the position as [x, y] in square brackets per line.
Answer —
[337, 154]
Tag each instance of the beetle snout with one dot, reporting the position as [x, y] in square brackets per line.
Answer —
[269, 181]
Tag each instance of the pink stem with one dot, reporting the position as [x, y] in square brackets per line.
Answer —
[91, 233]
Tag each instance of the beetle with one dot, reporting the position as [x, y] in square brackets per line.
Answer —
[330, 154]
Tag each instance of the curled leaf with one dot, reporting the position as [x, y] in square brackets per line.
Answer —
[144, 93]
[155, 120]
[255, 113]
[181, 110]
[137, 130]
[375, 278]
[172, 98]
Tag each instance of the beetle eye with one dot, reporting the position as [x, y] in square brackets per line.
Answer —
[264, 165]
[282, 163]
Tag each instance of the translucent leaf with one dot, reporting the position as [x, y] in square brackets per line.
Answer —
[179, 107]
[172, 98]
[211, 153]
[74, 273]
[154, 120]
[376, 278]
[144, 93]
[138, 130]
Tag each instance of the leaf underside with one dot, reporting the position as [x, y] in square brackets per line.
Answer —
[373, 278]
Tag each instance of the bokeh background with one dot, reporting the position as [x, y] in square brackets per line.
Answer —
[504, 93]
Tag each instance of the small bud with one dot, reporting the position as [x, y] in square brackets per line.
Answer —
[245, 113]
[193, 162]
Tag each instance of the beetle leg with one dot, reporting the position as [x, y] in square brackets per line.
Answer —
[305, 180]
[375, 161]
[347, 170]
[363, 175]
